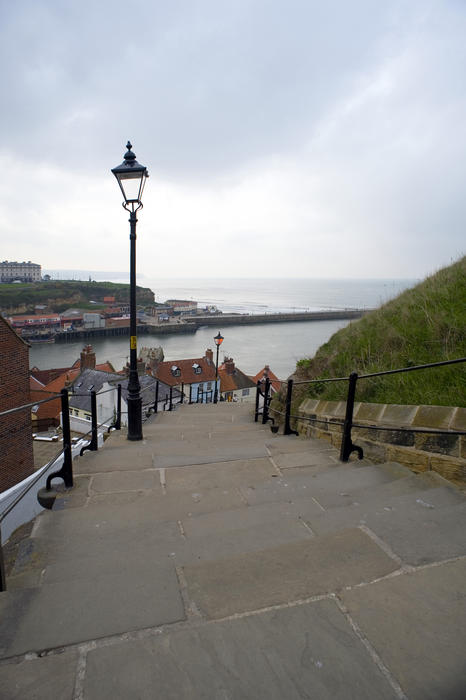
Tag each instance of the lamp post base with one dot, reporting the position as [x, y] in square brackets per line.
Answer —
[134, 418]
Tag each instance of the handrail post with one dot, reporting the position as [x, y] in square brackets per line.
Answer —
[265, 409]
[289, 394]
[190, 394]
[171, 399]
[118, 418]
[156, 400]
[347, 446]
[93, 445]
[258, 394]
[66, 472]
[182, 392]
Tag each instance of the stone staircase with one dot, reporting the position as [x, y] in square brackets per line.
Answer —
[217, 560]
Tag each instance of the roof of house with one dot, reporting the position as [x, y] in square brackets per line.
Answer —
[93, 380]
[231, 381]
[267, 372]
[57, 384]
[165, 371]
[38, 392]
[45, 376]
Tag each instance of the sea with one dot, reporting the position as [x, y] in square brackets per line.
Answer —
[279, 345]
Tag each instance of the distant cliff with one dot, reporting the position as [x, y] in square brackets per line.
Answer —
[424, 324]
[60, 295]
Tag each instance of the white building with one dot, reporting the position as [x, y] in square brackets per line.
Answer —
[20, 271]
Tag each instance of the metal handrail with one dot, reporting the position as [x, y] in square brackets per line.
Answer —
[347, 446]
[29, 405]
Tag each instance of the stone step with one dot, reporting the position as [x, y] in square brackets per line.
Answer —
[324, 485]
[142, 592]
[289, 572]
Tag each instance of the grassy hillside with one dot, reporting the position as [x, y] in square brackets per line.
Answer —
[59, 295]
[424, 324]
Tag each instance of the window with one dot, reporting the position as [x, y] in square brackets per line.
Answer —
[209, 386]
[88, 416]
[197, 368]
[176, 372]
[245, 392]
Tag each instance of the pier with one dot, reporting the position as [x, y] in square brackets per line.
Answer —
[192, 324]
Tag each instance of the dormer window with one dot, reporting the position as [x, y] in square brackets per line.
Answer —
[197, 369]
[175, 370]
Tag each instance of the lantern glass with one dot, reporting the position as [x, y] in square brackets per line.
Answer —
[131, 177]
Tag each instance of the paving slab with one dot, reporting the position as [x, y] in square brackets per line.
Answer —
[416, 624]
[79, 610]
[308, 651]
[281, 574]
[121, 481]
[208, 454]
[220, 474]
[279, 444]
[383, 503]
[422, 534]
[304, 459]
[244, 517]
[324, 486]
[155, 507]
[229, 543]
[40, 679]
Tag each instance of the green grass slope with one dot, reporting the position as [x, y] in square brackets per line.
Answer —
[424, 324]
[60, 294]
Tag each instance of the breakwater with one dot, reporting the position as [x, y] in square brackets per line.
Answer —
[246, 319]
[192, 324]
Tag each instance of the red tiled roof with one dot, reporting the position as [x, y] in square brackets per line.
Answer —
[163, 371]
[233, 378]
[45, 376]
[58, 383]
[106, 367]
[267, 372]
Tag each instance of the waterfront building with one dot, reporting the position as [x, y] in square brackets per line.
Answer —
[36, 326]
[19, 271]
[182, 306]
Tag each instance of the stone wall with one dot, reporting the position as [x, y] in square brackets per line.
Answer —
[445, 454]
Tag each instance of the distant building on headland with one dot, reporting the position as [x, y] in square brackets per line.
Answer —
[19, 271]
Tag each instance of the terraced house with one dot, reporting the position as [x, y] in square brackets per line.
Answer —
[196, 377]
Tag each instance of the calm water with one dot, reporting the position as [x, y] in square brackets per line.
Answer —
[278, 345]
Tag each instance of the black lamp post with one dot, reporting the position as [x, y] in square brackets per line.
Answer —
[218, 340]
[131, 177]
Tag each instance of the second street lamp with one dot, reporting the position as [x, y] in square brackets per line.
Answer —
[131, 177]
[218, 340]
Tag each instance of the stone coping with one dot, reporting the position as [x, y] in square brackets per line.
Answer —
[437, 417]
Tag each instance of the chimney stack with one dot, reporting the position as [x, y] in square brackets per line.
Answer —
[209, 356]
[87, 358]
[229, 365]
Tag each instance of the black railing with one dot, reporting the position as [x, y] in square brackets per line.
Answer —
[347, 446]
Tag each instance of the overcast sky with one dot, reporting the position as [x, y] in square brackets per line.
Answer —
[291, 139]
